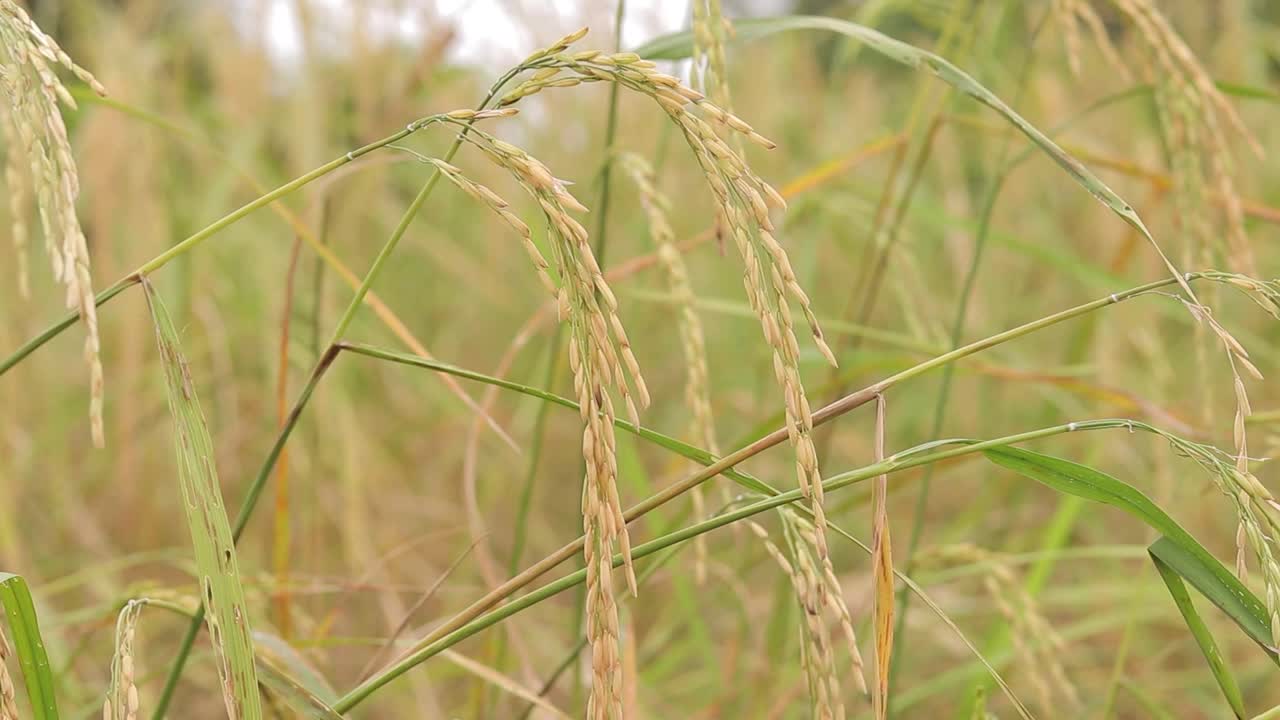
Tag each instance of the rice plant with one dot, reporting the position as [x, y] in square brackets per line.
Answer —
[500, 337]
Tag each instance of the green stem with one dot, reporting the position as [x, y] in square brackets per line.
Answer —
[190, 242]
[254, 492]
[726, 463]
[908, 459]
[67, 321]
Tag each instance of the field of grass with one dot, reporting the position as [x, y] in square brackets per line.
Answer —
[905, 357]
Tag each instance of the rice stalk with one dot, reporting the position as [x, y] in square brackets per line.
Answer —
[122, 696]
[36, 136]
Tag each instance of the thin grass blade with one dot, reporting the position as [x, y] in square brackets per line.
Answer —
[291, 691]
[1222, 588]
[882, 567]
[273, 650]
[1212, 655]
[220, 587]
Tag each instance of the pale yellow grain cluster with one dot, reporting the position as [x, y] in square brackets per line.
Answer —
[745, 203]
[1037, 645]
[38, 158]
[601, 359]
[1194, 111]
[1236, 480]
[122, 696]
[710, 31]
[8, 696]
[697, 389]
[819, 595]
[1068, 15]
[1257, 510]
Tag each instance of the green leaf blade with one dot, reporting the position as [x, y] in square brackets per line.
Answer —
[24, 626]
[1208, 646]
[220, 587]
[679, 45]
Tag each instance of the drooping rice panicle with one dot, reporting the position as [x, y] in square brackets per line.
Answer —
[816, 654]
[15, 184]
[36, 137]
[8, 695]
[1197, 102]
[1192, 112]
[744, 205]
[122, 701]
[1037, 645]
[710, 31]
[600, 357]
[1068, 14]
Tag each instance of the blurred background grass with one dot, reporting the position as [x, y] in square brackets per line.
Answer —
[206, 111]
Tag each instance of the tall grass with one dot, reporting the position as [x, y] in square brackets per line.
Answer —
[923, 241]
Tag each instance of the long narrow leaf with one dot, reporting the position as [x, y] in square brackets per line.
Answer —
[1177, 549]
[1222, 588]
[679, 45]
[291, 691]
[1204, 638]
[24, 628]
[220, 587]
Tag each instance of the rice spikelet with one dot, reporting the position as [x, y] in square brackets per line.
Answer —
[817, 590]
[600, 358]
[1202, 109]
[1037, 645]
[744, 206]
[8, 696]
[122, 696]
[34, 132]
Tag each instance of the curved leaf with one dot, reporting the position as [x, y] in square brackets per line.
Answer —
[1222, 588]
[294, 694]
[1178, 550]
[679, 45]
[1204, 638]
[24, 626]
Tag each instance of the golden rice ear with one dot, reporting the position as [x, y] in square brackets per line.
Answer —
[122, 701]
[36, 135]
[8, 695]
